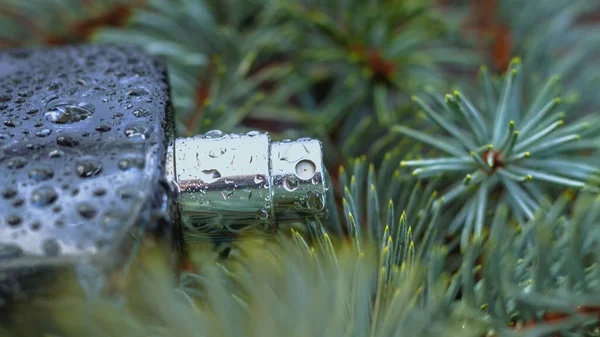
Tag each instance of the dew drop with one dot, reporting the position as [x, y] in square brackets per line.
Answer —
[6, 135]
[86, 210]
[137, 92]
[214, 173]
[141, 113]
[315, 201]
[216, 153]
[67, 141]
[113, 220]
[36, 225]
[290, 183]
[262, 214]
[103, 128]
[12, 123]
[43, 132]
[99, 192]
[56, 154]
[128, 193]
[129, 163]
[43, 196]
[16, 163]
[88, 167]
[41, 174]
[68, 111]
[53, 86]
[137, 132]
[13, 220]
[258, 179]
[9, 193]
[25, 93]
[214, 134]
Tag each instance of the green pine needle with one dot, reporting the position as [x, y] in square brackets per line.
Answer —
[523, 150]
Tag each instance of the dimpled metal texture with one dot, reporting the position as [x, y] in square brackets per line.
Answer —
[83, 132]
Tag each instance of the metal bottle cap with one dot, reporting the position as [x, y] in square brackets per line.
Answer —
[239, 182]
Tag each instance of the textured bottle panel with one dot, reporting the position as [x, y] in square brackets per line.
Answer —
[83, 137]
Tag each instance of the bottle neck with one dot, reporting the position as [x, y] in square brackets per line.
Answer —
[235, 183]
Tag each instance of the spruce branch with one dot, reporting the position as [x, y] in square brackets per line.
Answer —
[525, 151]
[220, 64]
[363, 58]
[277, 288]
[26, 23]
[552, 37]
[541, 278]
[374, 202]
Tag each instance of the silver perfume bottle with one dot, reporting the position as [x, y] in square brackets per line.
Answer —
[89, 166]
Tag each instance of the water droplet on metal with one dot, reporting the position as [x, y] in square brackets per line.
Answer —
[262, 214]
[99, 192]
[129, 163]
[129, 193]
[113, 220]
[141, 113]
[43, 132]
[214, 134]
[40, 174]
[67, 141]
[86, 210]
[12, 123]
[13, 220]
[9, 193]
[16, 163]
[214, 173]
[293, 152]
[290, 183]
[56, 154]
[44, 196]
[6, 135]
[36, 225]
[25, 93]
[103, 128]
[89, 167]
[68, 111]
[137, 92]
[139, 132]
[315, 201]
[216, 153]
